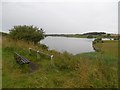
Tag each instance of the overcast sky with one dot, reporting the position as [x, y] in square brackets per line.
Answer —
[62, 16]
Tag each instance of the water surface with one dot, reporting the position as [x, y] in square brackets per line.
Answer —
[71, 45]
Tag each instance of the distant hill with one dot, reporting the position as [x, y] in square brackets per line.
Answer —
[94, 33]
[3, 33]
[89, 33]
[84, 35]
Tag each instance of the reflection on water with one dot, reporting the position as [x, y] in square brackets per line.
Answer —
[71, 45]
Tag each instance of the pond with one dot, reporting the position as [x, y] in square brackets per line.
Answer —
[71, 45]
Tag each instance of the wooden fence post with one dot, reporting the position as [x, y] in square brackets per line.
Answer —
[30, 53]
[38, 56]
[52, 62]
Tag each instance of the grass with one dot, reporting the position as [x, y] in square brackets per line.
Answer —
[94, 69]
[109, 47]
[0, 62]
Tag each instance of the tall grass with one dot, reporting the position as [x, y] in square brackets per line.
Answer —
[109, 47]
[67, 71]
[0, 62]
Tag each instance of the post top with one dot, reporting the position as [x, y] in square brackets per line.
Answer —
[30, 48]
[37, 51]
[51, 56]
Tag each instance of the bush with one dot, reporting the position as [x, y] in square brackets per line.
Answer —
[27, 33]
[89, 36]
[44, 46]
[98, 40]
[116, 38]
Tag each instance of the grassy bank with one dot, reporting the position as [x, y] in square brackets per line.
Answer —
[94, 69]
[0, 62]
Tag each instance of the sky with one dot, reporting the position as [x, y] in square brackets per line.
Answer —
[0, 16]
[61, 16]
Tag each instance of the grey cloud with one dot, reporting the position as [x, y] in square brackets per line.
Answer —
[62, 17]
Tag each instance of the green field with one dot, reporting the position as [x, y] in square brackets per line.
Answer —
[0, 62]
[94, 69]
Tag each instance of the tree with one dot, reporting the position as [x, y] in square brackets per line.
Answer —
[27, 33]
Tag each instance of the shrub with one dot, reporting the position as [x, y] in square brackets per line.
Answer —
[89, 36]
[44, 46]
[117, 38]
[27, 33]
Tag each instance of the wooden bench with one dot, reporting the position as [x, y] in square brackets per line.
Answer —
[20, 59]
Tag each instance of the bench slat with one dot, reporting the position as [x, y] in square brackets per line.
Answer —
[20, 59]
